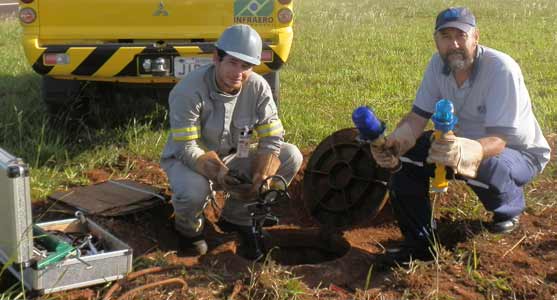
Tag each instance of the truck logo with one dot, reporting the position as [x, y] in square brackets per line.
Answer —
[253, 11]
[161, 11]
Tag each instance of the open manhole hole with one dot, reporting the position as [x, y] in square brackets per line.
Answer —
[305, 246]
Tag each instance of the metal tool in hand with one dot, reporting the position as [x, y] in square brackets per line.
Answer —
[235, 181]
[371, 129]
[235, 177]
[271, 191]
[444, 121]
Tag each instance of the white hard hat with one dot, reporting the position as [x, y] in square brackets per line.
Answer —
[242, 42]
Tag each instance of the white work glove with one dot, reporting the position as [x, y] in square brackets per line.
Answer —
[461, 154]
[396, 144]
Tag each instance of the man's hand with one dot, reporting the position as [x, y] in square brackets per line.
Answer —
[238, 185]
[461, 154]
[396, 144]
[212, 167]
[384, 157]
[263, 166]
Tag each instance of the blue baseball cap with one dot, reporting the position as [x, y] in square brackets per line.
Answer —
[455, 17]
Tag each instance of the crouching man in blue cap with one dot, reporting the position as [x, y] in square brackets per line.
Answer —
[497, 147]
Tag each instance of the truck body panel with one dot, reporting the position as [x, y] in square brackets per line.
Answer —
[100, 40]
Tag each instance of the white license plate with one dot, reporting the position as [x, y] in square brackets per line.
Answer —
[184, 65]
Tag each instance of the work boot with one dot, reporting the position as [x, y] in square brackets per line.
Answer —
[250, 244]
[504, 226]
[270, 222]
[226, 226]
[196, 243]
[404, 254]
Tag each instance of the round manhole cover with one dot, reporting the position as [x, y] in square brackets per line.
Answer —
[342, 183]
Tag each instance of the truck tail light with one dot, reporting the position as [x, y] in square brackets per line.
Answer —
[285, 15]
[267, 55]
[283, 2]
[27, 15]
[51, 59]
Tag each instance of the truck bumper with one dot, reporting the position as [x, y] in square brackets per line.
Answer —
[118, 62]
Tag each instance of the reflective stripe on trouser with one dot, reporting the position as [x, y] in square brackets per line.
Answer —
[501, 178]
[190, 189]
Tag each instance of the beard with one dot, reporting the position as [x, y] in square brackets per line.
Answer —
[457, 60]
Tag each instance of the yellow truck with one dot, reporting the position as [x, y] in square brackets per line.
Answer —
[148, 44]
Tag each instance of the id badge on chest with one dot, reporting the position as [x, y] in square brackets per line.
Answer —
[243, 143]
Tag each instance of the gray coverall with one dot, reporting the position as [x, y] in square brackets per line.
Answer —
[203, 118]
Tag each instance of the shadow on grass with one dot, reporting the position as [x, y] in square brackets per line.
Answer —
[453, 232]
[100, 115]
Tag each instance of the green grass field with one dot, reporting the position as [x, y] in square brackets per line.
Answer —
[348, 53]
[345, 54]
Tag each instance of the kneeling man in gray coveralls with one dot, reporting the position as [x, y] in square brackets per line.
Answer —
[214, 111]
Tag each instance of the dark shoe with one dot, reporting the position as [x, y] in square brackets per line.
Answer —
[228, 227]
[251, 243]
[404, 255]
[197, 243]
[270, 222]
[251, 246]
[504, 226]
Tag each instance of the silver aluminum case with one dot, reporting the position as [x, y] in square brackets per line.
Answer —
[16, 236]
[71, 272]
[16, 240]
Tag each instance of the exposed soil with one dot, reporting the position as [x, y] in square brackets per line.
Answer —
[473, 264]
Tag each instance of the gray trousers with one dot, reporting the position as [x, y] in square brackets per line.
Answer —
[191, 189]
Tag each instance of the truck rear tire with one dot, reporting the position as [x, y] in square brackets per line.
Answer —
[58, 95]
[273, 79]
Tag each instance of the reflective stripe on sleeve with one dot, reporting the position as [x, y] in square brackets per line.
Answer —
[186, 133]
[273, 128]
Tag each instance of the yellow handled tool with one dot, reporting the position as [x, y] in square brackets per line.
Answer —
[444, 122]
